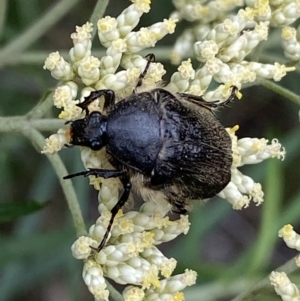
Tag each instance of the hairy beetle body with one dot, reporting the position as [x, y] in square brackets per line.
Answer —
[171, 144]
[176, 144]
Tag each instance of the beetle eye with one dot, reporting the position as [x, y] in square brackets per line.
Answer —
[95, 145]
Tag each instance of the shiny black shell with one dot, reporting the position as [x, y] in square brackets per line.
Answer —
[179, 146]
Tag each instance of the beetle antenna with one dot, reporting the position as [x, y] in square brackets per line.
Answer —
[200, 101]
[231, 97]
[109, 99]
[77, 174]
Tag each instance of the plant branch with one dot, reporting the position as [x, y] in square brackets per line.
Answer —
[113, 293]
[67, 187]
[281, 91]
[3, 7]
[42, 107]
[51, 125]
[19, 123]
[264, 284]
[270, 214]
[97, 14]
[33, 57]
[37, 29]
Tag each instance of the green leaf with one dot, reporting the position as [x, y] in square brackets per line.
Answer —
[11, 211]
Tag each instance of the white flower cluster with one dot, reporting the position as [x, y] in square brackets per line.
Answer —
[130, 255]
[168, 289]
[223, 48]
[242, 189]
[122, 46]
[287, 290]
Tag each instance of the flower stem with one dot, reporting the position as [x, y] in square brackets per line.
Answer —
[34, 57]
[97, 14]
[37, 138]
[19, 123]
[262, 286]
[266, 238]
[113, 293]
[37, 29]
[3, 8]
[281, 91]
[42, 107]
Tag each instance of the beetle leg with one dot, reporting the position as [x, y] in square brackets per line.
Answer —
[179, 207]
[150, 59]
[199, 100]
[109, 99]
[68, 145]
[231, 97]
[108, 173]
[103, 173]
[123, 199]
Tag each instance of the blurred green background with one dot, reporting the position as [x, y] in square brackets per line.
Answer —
[230, 250]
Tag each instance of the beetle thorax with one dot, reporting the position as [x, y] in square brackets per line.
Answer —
[90, 131]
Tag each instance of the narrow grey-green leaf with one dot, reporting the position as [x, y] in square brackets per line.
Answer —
[11, 211]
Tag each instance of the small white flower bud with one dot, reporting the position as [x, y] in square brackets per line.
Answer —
[290, 237]
[59, 68]
[88, 70]
[81, 248]
[65, 93]
[56, 142]
[107, 30]
[133, 293]
[284, 287]
[82, 42]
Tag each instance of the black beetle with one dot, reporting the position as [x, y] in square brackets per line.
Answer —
[173, 140]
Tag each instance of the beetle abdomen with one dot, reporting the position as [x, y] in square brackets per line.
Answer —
[196, 152]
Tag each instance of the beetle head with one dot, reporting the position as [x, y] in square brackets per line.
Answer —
[89, 131]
